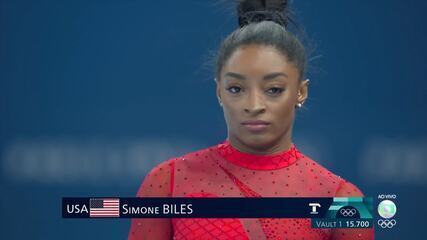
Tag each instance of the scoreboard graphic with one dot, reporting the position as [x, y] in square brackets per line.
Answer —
[347, 212]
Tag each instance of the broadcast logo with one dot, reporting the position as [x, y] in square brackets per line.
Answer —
[314, 207]
[387, 209]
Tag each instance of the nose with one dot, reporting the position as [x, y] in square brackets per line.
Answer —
[255, 104]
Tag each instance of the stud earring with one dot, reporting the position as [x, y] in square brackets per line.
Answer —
[299, 105]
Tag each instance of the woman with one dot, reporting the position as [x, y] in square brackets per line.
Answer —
[260, 84]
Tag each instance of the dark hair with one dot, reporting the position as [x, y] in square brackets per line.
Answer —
[263, 22]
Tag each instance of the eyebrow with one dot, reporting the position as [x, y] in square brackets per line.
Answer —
[269, 76]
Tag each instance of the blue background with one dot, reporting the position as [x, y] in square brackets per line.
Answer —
[93, 94]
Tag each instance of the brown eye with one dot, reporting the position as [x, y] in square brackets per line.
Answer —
[234, 89]
[275, 91]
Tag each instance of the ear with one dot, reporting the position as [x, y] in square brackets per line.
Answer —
[218, 93]
[303, 91]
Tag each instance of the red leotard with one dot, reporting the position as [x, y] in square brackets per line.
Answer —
[223, 171]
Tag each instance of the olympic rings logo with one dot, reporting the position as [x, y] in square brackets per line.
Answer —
[348, 212]
[386, 223]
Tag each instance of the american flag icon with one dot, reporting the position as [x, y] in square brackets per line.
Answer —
[104, 207]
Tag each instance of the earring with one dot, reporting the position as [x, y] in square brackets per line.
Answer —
[299, 105]
[220, 103]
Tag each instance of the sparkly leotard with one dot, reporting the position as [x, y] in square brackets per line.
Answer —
[224, 171]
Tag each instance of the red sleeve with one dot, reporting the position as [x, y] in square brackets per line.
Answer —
[347, 189]
[157, 183]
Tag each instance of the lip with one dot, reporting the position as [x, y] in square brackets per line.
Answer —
[255, 125]
[255, 122]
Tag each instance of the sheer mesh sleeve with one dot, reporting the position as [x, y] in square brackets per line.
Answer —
[347, 189]
[157, 183]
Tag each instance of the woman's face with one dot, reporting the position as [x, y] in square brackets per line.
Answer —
[259, 90]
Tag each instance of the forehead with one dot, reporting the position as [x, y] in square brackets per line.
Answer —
[258, 60]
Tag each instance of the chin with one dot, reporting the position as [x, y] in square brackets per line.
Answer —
[258, 141]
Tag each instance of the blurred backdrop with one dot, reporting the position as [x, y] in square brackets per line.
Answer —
[93, 94]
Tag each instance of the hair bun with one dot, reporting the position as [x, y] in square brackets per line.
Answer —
[250, 11]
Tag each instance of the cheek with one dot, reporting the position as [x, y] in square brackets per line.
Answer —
[232, 115]
[283, 112]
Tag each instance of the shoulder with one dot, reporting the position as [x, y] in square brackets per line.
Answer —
[319, 171]
[196, 160]
[157, 182]
[343, 187]
[348, 189]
